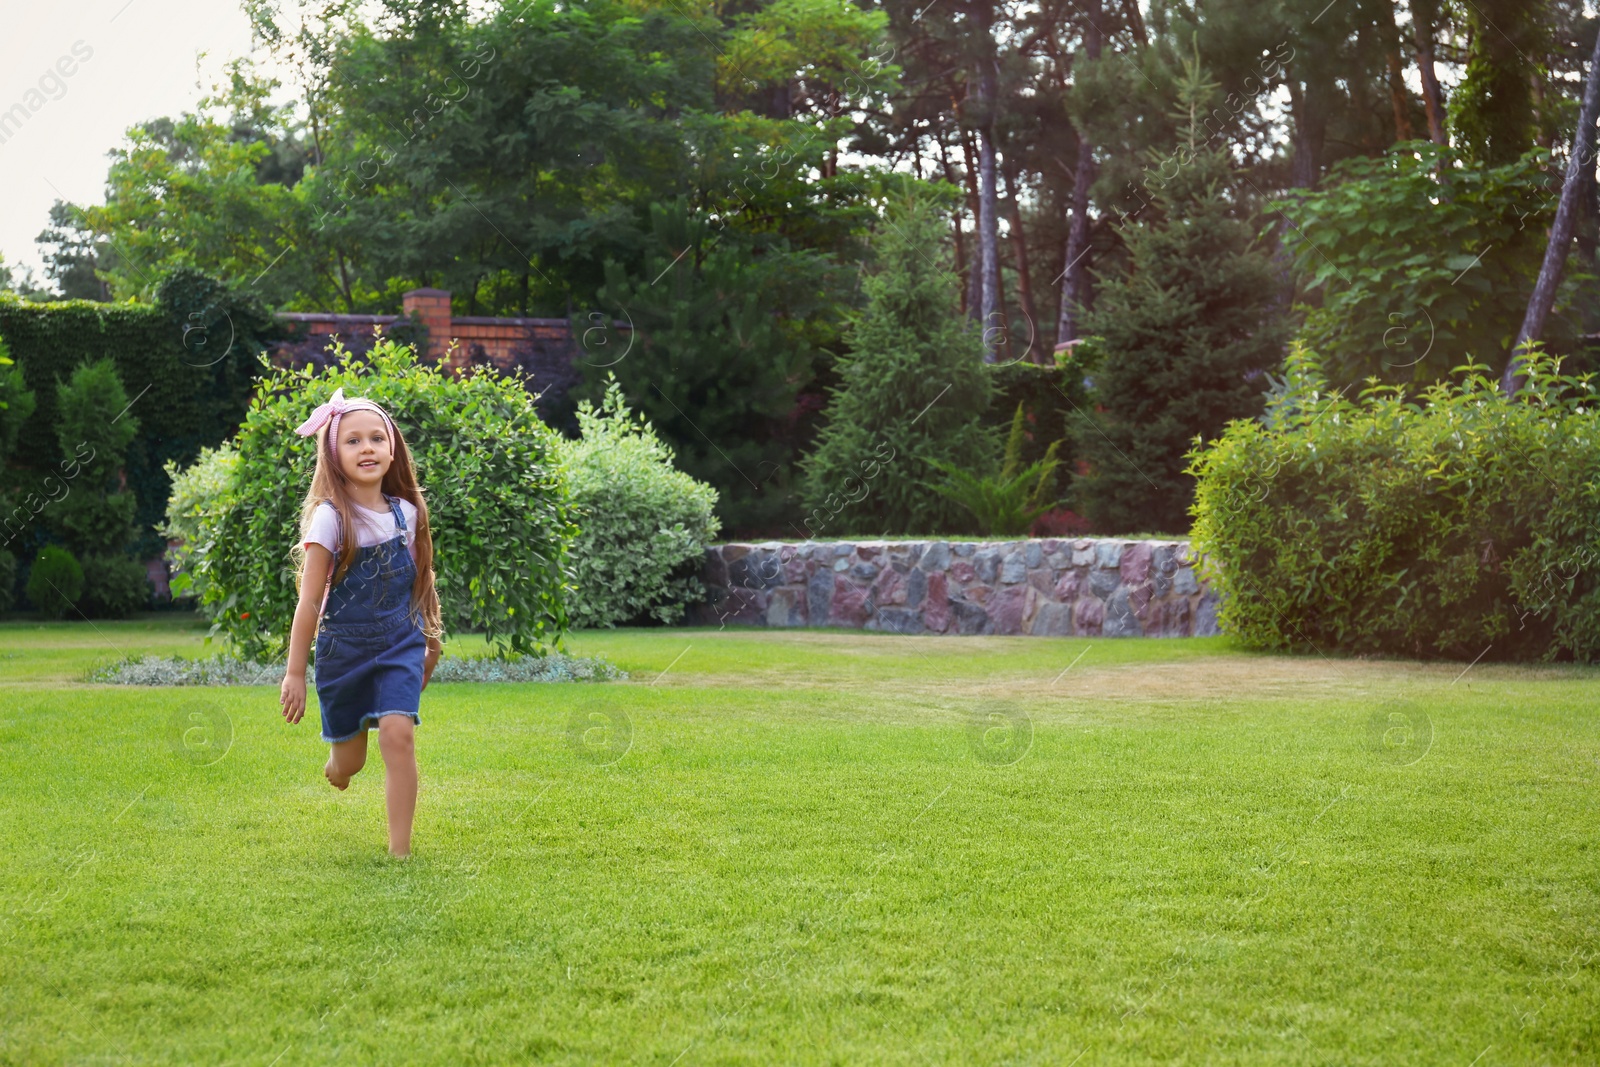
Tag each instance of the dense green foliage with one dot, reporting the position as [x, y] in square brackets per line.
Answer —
[186, 362]
[93, 425]
[94, 517]
[912, 391]
[708, 174]
[642, 524]
[1182, 339]
[504, 152]
[201, 494]
[55, 582]
[497, 506]
[114, 586]
[1457, 523]
[1009, 503]
[16, 404]
[1417, 261]
[728, 329]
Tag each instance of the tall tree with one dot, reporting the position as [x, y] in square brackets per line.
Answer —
[911, 390]
[1424, 24]
[1076, 271]
[1580, 165]
[1185, 336]
[988, 196]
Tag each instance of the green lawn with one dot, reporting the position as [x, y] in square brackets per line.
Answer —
[819, 847]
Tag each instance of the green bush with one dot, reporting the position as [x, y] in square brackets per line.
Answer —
[17, 402]
[1458, 523]
[114, 587]
[1054, 403]
[8, 580]
[56, 582]
[497, 504]
[1009, 504]
[640, 520]
[201, 493]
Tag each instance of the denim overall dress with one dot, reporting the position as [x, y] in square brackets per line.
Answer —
[369, 651]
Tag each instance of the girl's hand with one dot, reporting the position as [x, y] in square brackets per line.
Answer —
[429, 662]
[293, 697]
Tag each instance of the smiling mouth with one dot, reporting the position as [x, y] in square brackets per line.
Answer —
[368, 463]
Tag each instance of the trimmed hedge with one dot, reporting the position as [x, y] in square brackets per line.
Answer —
[1458, 524]
[188, 363]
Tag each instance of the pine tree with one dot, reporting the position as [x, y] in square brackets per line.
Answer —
[912, 390]
[1182, 338]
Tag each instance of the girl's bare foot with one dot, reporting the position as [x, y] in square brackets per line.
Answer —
[334, 778]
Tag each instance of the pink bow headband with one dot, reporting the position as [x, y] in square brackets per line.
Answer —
[335, 407]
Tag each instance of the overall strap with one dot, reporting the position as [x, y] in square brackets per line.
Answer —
[400, 522]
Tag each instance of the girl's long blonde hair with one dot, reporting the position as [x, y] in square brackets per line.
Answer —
[400, 480]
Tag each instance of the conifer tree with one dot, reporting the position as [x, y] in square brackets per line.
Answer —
[1182, 338]
[912, 390]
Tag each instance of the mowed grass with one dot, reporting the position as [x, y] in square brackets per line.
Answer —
[816, 847]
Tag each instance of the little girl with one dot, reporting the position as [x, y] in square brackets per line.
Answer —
[380, 637]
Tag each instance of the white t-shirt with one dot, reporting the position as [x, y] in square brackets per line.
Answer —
[372, 527]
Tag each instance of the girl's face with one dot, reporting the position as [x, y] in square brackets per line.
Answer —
[364, 447]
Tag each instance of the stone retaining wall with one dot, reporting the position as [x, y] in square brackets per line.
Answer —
[1050, 587]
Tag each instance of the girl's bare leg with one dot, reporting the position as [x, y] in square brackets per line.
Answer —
[345, 760]
[397, 742]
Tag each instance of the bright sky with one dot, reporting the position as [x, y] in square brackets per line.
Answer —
[141, 64]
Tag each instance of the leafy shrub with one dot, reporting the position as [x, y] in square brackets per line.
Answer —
[56, 582]
[8, 580]
[201, 493]
[1460, 523]
[639, 519]
[114, 587]
[727, 335]
[1053, 399]
[497, 504]
[1396, 268]
[1009, 504]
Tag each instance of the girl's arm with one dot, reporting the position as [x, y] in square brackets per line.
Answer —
[319, 561]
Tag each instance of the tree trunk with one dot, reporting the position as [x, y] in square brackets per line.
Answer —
[1130, 11]
[1555, 253]
[1424, 16]
[1399, 99]
[988, 200]
[1073, 273]
[1019, 250]
[961, 244]
[1306, 104]
[975, 264]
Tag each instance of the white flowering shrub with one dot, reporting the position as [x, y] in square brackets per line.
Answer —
[643, 524]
